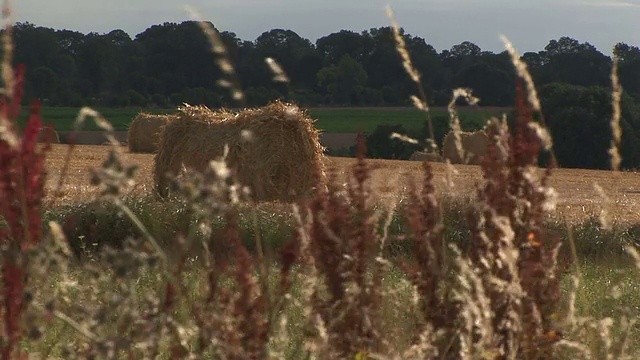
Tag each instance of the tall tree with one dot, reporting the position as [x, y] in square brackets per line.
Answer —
[345, 42]
[344, 82]
[178, 57]
[384, 65]
[296, 55]
[567, 60]
[629, 68]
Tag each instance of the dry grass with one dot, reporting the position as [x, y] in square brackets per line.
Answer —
[143, 132]
[474, 146]
[274, 150]
[423, 155]
[578, 198]
[77, 186]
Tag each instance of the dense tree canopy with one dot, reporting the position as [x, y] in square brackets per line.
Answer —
[172, 63]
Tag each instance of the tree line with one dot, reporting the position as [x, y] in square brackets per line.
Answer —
[172, 63]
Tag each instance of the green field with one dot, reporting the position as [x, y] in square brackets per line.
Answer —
[330, 120]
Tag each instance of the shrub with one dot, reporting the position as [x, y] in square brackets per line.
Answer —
[134, 98]
[380, 145]
[159, 100]
[579, 119]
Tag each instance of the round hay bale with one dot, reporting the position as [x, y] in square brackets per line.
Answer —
[474, 145]
[273, 150]
[48, 133]
[423, 155]
[142, 136]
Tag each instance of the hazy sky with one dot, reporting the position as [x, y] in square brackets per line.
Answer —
[530, 24]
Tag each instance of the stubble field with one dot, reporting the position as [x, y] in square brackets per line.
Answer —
[578, 198]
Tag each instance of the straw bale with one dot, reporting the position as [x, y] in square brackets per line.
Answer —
[142, 136]
[48, 133]
[423, 155]
[273, 150]
[474, 145]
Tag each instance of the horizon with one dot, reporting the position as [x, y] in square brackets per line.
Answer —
[600, 23]
[313, 41]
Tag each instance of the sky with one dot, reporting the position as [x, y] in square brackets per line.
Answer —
[529, 24]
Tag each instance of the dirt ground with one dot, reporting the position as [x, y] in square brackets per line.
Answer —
[577, 197]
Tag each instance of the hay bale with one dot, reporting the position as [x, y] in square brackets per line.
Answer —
[142, 136]
[48, 133]
[278, 161]
[474, 145]
[423, 155]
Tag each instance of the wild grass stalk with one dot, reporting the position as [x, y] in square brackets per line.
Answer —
[616, 95]
[230, 80]
[419, 101]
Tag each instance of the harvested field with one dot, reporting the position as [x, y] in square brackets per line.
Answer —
[577, 196]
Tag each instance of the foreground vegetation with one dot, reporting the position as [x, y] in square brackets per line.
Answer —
[337, 276]
[92, 225]
[209, 274]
